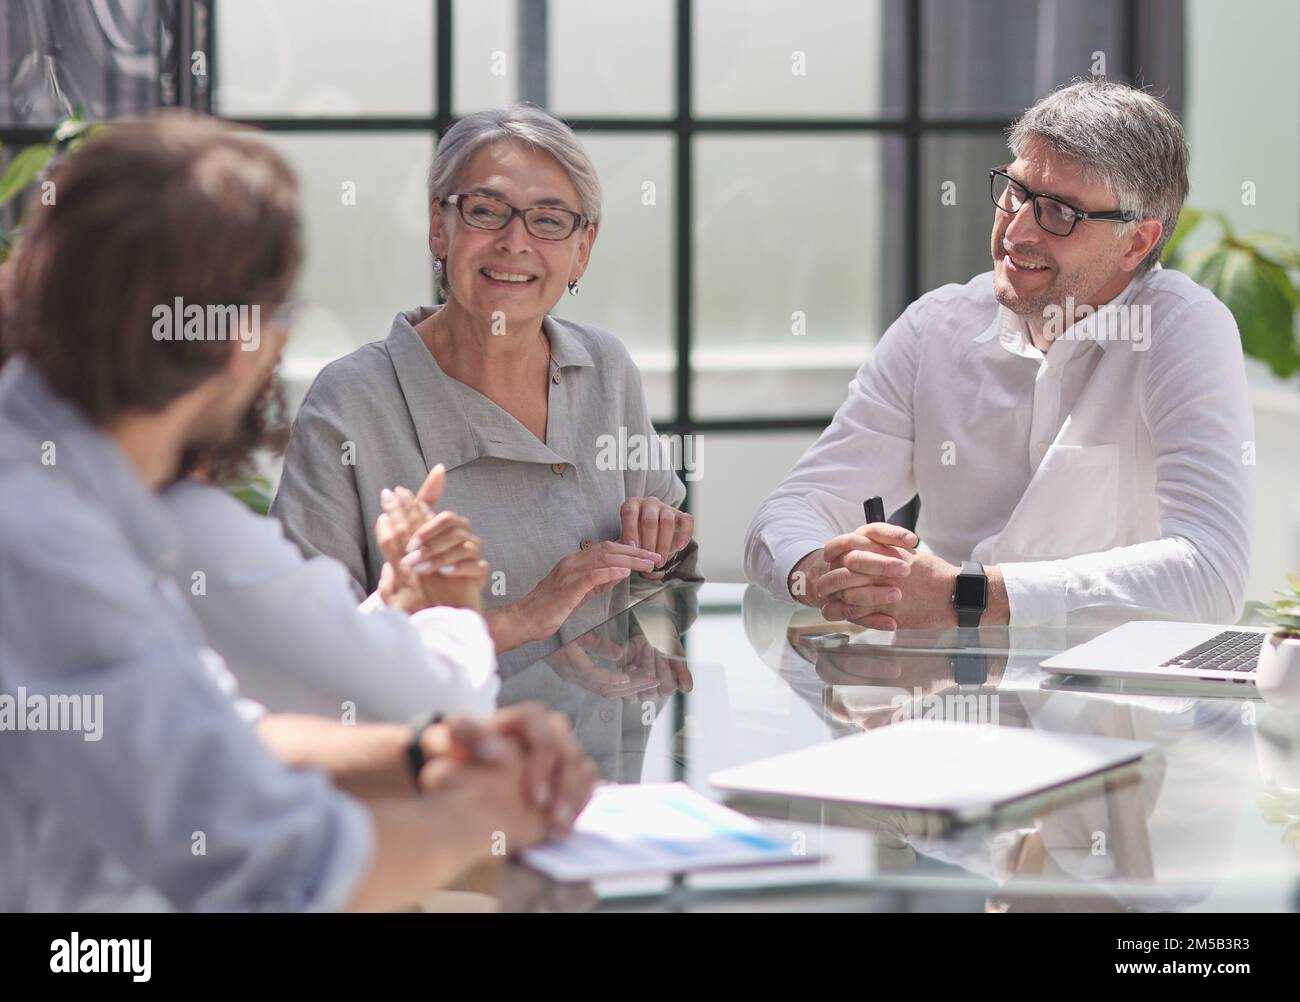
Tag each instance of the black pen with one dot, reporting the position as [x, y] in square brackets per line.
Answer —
[874, 510]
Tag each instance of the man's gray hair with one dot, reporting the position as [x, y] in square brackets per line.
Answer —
[1121, 136]
[520, 123]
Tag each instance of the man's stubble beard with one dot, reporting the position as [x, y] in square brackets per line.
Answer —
[224, 447]
[1029, 308]
[1062, 287]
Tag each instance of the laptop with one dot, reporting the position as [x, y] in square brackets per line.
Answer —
[955, 773]
[1165, 652]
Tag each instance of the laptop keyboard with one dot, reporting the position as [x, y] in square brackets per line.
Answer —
[1231, 650]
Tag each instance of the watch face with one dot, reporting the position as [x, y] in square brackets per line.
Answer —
[970, 592]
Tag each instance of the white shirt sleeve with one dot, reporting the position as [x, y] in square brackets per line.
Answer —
[460, 652]
[1196, 406]
[291, 633]
[865, 451]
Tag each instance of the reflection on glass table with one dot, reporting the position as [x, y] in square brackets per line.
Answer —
[698, 678]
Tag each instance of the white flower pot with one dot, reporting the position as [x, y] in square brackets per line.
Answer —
[1278, 677]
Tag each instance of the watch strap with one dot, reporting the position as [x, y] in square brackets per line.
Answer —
[415, 750]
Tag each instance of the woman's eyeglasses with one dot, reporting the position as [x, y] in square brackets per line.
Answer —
[546, 222]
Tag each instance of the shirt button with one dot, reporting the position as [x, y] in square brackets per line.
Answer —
[1041, 447]
[606, 714]
[556, 378]
[586, 544]
[557, 469]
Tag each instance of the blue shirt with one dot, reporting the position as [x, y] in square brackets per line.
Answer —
[175, 802]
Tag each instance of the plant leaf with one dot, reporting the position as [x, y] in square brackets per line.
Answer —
[1276, 247]
[257, 500]
[23, 170]
[1188, 220]
[71, 128]
[1261, 298]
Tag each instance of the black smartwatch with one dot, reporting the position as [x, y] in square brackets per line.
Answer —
[970, 596]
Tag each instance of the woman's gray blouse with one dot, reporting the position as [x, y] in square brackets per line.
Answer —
[384, 415]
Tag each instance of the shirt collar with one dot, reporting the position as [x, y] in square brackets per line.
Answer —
[567, 349]
[1013, 334]
[453, 422]
[90, 460]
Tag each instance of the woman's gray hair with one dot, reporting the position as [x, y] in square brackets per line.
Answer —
[528, 125]
[1121, 136]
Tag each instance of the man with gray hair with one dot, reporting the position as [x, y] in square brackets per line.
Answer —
[1076, 421]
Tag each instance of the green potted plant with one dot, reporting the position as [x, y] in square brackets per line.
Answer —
[1256, 275]
[1278, 675]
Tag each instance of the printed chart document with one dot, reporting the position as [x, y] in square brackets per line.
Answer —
[657, 828]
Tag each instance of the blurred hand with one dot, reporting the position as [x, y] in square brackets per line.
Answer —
[486, 792]
[557, 776]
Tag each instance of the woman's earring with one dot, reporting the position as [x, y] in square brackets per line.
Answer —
[573, 288]
[437, 264]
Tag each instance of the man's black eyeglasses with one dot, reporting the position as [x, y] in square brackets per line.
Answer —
[1055, 216]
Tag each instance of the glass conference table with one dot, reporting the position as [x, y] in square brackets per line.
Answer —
[697, 678]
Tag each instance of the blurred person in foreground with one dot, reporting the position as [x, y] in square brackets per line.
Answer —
[139, 779]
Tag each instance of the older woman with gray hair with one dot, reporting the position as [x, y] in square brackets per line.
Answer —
[510, 400]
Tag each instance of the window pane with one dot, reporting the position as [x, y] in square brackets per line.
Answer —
[793, 270]
[998, 57]
[778, 58]
[364, 261]
[956, 211]
[628, 289]
[324, 58]
[485, 55]
[611, 58]
[736, 472]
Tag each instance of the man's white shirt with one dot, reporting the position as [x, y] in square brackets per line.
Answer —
[1111, 478]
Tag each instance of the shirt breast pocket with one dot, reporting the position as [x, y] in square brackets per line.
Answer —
[1070, 506]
